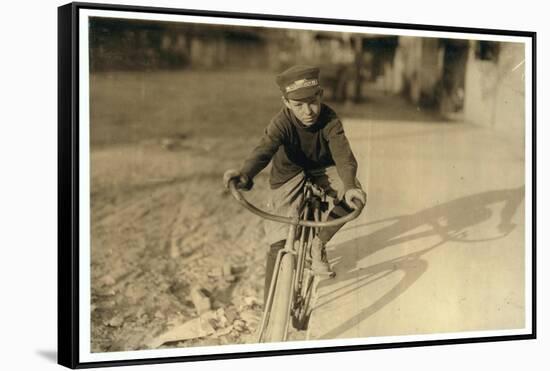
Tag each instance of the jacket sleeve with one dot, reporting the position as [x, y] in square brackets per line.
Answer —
[264, 151]
[346, 164]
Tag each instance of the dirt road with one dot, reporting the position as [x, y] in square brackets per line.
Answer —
[441, 246]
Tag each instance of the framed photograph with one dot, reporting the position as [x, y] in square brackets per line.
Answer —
[242, 185]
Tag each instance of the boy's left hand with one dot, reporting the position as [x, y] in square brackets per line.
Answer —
[355, 193]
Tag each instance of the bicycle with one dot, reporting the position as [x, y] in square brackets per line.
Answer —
[293, 284]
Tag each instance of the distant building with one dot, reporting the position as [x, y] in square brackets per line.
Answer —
[495, 86]
[117, 44]
[477, 81]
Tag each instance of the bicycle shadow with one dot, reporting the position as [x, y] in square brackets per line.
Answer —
[449, 221]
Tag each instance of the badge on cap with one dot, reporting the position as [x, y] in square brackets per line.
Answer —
[300, 84]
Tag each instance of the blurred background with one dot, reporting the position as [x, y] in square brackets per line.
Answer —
[437, 126]
[231, 69]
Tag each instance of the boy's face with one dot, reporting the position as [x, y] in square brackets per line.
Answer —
[306, 110]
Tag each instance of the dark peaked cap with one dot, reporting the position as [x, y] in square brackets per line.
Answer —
[299, 82]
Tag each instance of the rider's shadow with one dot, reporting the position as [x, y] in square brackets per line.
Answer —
[449, 221]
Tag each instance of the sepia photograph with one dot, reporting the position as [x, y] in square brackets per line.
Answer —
[264, 185]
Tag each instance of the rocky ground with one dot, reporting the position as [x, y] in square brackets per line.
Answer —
[176, 262]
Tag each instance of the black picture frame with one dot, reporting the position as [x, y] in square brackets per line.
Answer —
[69, 257]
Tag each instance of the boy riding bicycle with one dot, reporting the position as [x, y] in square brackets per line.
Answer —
[305, 138]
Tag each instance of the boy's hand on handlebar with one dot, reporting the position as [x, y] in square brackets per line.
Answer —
[243, 181]
[353, 195]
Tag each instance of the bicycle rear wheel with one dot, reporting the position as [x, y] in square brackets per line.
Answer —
[280, 309]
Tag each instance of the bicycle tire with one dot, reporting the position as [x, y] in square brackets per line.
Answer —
[309, 298]
[300, 319]
[280, 309]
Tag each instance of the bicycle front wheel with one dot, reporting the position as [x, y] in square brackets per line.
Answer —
[282, 297]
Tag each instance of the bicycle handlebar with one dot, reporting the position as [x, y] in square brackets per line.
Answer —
[294, 221]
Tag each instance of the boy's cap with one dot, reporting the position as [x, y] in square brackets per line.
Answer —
[299, 82]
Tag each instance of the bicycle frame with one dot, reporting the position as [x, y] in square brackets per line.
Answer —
[306, 234]
[305, 222]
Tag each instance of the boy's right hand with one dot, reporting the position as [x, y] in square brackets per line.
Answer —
[243, 181]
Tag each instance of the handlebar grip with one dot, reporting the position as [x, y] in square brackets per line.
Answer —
[241, 182]
[357, 203]
[234, 189]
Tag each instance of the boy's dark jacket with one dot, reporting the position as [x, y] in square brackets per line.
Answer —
[295, 147]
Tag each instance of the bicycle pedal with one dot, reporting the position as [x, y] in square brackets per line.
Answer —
[330, 274]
